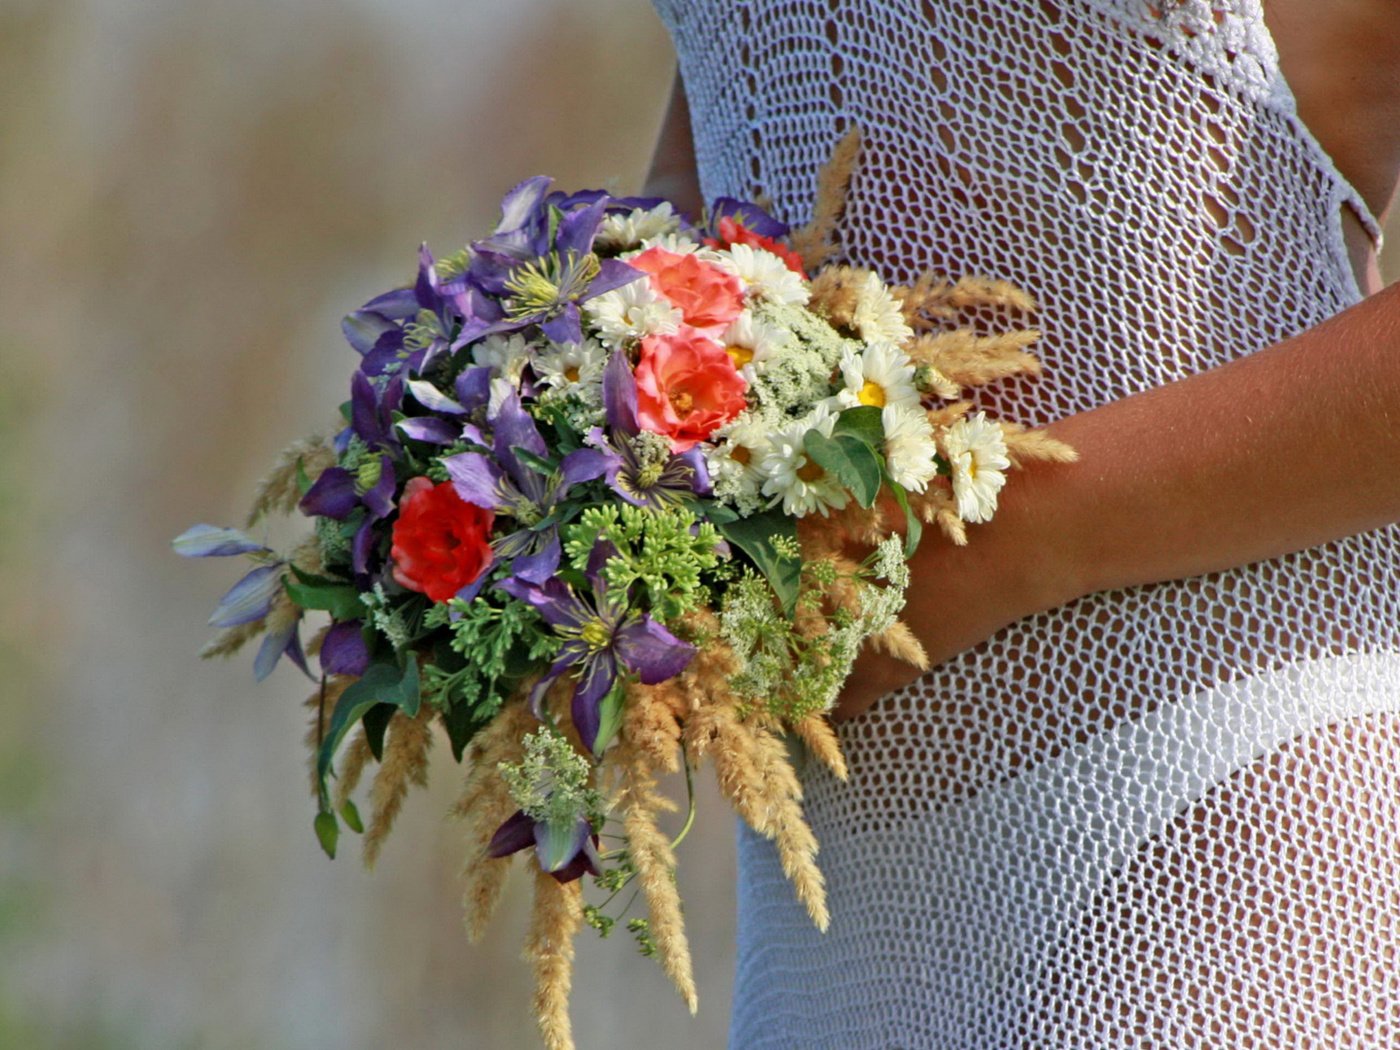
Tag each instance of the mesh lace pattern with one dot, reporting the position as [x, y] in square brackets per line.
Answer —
[1162, 816]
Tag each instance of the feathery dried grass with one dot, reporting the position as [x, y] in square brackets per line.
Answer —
[1035, 446]
[655, 864]
[549, 948]
[278, 490]
[899, 641]
[405, 762]
[485, 804]
[815, 242]
[834, 293]
[231, 639]
[947, 415]
[819, 736]
[753, 771]
[651, 722]
[966, 359]
[933, 299]
[352, 767]
[935, 506]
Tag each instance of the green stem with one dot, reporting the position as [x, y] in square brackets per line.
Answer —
[690, 808]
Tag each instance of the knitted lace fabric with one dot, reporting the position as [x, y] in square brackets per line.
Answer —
[1164, 816]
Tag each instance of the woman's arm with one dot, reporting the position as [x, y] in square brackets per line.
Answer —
[1292, 446]
[672, 173]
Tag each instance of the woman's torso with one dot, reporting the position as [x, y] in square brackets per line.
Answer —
[1149, 182]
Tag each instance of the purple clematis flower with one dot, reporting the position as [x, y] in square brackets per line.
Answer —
[602, 638]
[541, 277]
[380, 333]
[337, 494]
[252, 597]
[641, 476]
[505, 483]
[566, 852]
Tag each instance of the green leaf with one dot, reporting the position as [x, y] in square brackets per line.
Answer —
[863, 423]
[913, 528]
[340, 599]
[381, 684]
[350, 813]
[609, 717]
[376, 722]
[538, 464]
[754, 536]
[849, 460]
[461, 726]
[327, 832]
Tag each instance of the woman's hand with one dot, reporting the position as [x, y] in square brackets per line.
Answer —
[1293, 446]
[1021, 562]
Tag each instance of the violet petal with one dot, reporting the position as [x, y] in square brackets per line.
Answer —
[361, 547]
[514, 428]
[430, 396]
[211, 541]
[652, 651]
[543, 564]
[274, 644]
[599, 674]
[565, 327]
[557, 842]
[477, 480]
[332, 495]
[613, 273]
[700, 473]
[583, 464]
[578, 228]
[250, 598]
[343, 651]
[363, 329]
[620, 394]
[397, 305]
[380, 499]
[514, 835]
[430, 430]
[474, 388]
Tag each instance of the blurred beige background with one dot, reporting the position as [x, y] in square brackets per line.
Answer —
[191, 194]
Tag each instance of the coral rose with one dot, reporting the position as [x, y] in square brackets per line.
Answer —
[687, 387]
[441, 542]
[707, 297]
[731, 232]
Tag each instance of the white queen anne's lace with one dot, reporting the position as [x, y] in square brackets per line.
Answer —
[1156, 817]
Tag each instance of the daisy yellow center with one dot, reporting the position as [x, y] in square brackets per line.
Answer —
[871, 394]
[571, 373]
[809, 472]
[594, 634]
[740, 355]
[739, 454]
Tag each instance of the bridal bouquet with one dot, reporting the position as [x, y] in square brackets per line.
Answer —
[616, 493]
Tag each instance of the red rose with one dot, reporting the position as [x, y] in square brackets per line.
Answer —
[686, 387]
[732, 232]
[441, 542]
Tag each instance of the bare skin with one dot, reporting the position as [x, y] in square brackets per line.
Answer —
[1177, 481]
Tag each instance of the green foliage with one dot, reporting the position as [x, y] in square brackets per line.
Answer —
[340, 599]
[656, 551]
[551, 781]
[769, 539]
[493, 643]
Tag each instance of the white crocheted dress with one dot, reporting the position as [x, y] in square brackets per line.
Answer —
[1164, 816]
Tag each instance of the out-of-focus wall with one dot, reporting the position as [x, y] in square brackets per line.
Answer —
[191, 195]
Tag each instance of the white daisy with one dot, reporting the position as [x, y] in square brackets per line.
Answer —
[620, 232]
[909, 446]
[734, 459]
[750, 341]
[976, 450]
[505, 355]
[573, 368]
[629, 313]
[788, 474]
[877, 316]
[764, 275]
[881, 375]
